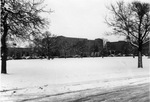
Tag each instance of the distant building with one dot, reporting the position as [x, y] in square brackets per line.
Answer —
[125, 48]
[78, 47]
[64, 47]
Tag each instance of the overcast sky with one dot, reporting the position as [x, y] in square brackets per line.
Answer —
[80, 18]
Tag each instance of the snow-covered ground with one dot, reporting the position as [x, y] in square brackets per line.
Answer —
[33, 78]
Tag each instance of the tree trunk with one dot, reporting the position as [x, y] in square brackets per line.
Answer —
[4, 46]
[140, 64]
[4, 59]
[4, 52]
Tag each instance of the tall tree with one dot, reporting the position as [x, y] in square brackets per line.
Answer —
[48, 44]
[20, 19]
[133, 21]
[37, 43]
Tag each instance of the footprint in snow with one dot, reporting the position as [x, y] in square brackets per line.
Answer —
[41, 88]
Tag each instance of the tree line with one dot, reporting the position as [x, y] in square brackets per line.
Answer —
[52, 46]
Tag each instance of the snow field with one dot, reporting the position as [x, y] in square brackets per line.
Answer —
[71, 74]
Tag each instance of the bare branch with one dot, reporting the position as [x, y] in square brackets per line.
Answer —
[131, 20]
[135, 45]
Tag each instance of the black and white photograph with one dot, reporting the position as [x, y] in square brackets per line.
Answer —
[75, 51]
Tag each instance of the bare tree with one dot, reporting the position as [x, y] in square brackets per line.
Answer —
[20, 19]
[48, 44]
[133, 21]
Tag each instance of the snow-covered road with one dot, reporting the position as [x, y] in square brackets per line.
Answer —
[72, 78]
